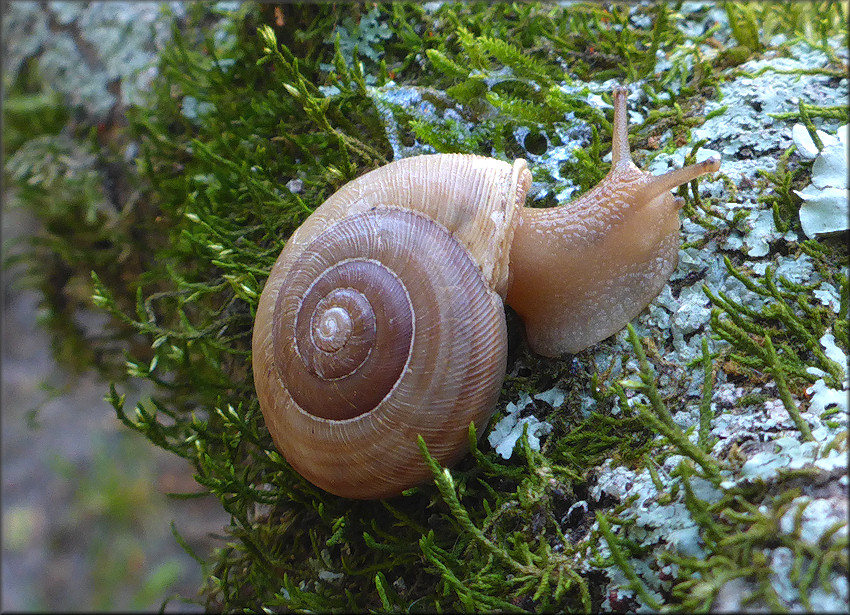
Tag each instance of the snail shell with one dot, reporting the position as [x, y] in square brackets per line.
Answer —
[396, 277]
[382, 318]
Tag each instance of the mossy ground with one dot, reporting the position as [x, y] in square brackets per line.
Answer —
[245, 133]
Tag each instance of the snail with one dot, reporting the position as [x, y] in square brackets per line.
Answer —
[383, 316]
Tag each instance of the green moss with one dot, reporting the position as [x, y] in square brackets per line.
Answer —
[30, 109]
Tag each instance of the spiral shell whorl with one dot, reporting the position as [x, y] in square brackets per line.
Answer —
[368, 319]
[387, 299]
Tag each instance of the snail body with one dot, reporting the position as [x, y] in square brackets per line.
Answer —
[382, 317]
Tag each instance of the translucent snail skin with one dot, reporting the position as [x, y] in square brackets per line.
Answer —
[382, 318]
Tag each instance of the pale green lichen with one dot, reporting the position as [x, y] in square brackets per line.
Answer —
[507, 432]
[825, 207]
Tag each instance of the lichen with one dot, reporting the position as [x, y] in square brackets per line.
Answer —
[508, 431]
[83, 50]
[825, 208]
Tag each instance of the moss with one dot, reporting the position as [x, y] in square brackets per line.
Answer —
[245, 134]
[57, 173]
[29, 109]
